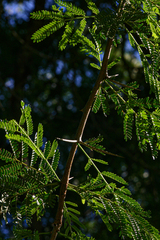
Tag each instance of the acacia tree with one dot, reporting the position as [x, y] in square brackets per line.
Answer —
[29, 180]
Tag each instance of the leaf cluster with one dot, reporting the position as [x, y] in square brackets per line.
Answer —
[28, 178]
[115, 206]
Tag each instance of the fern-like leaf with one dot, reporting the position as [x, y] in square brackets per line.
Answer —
[150, 70]
[100, 161]
[47, 15]
[47, 30]
[104, 103]
[71, 8]
[40, 135]
[128, 124]
[55, 159]
[97, 102]
[53, 149]
[34, 156]
[88, 165]
[95, 66]
[24, 151]
[105, 219]
[22, 118]
[47, 169]
[11, 169]
[113, 63]
[77, 36]
[66, 35]
[8, 126]
[47, 149]
[144, 134]
[14, 145]
[88, 47]
[20, 233]
[92, 6]
[115, 177]
[29, 123]
[70, 215]
[6, 156]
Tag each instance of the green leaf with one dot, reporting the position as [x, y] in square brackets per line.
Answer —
[47, 30]
[95, 66]
[24, 152]
[22, 118]
[76, 229]
[40, 135]
[104, 104]
[97, 102]
[27, 112]
[47, 149]
[53, 149]
[88, 165]
[131, 39]
[128, 124]
[100, 161]
[77, 36]
[77, 221]
[71, 203]
[113, 63]
[92, 6]
[115, 177]
[66, 35]
[83, 201]
[34, 156]
[6, 156]
[24, 139]
[106, 221]
[71, 8]
[55, 160]
[73, 210]
[46, 15]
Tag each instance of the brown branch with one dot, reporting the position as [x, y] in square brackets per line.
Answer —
[65, 179]
[80, 130]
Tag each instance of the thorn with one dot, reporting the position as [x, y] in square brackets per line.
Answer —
[71, 178]
[116, 75]
[67, 140]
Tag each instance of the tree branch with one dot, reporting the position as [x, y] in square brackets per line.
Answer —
[80, 130]
[86, 111]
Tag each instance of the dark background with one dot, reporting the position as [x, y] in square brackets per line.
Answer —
[56, 85]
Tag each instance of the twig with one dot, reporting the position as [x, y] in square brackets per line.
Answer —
[124, 85]
[99, 150]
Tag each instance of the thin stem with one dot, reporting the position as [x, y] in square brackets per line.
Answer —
[116, 92]
[98, 150]
[123, 85]
[81, 17]
[90, 159]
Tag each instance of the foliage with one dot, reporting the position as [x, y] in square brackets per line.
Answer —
[138, 27]
[29, 178]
